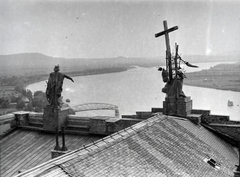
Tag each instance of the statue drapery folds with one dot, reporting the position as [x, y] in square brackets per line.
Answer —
[54, 85]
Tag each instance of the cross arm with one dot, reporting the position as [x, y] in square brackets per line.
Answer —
[166, 31]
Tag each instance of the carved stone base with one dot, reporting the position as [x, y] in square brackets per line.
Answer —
[53, 118]
[180, 106]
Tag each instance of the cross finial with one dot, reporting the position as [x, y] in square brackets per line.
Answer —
[168, 52]
[165, 32]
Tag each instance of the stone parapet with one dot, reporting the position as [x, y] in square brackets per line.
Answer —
[5, 119]
[143, 115]
[7, 123]
[78, 120]
[22, 118]
[107, 125]
[115, 126]
[227, 129]
[218, 118]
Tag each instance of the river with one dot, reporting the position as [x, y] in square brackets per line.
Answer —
[139, 89]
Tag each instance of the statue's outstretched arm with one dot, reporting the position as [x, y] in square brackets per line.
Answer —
[68, 77]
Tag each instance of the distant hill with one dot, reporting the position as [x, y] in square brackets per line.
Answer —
[212, 58]
[36, 63]
[19, 64]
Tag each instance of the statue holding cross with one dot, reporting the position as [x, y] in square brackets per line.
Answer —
[176, 101]
[168, 49]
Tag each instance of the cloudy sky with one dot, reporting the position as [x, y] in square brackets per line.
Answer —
[87, 29]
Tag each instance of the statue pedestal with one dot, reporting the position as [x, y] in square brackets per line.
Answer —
[180, 106]
[55, 117]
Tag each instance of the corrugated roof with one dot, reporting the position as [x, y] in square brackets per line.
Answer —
[159, 146]
[24, 149]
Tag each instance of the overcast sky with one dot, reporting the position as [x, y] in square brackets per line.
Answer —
[86, 29]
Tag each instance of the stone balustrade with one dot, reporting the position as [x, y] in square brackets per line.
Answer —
[103, 125]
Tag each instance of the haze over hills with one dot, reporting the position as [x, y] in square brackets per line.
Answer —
[36, 63]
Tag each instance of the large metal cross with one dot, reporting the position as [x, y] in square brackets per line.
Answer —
[168, 52]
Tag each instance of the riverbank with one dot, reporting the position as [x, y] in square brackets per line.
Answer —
[10, 82]
[222, 76]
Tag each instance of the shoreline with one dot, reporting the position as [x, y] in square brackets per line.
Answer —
[213, 78]
[209, 87]
[220, 77]
[84, 73]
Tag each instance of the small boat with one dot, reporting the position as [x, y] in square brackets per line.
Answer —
[230, 103]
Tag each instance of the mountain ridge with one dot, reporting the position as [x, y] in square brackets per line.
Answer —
[37, 63]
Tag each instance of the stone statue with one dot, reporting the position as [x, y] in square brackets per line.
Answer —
[176, 102]
[173, 89]
[54, 86]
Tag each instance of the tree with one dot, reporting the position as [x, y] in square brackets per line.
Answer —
[14, 99]
[39, 93]
[29, 107]
[1, 100]
[24, 92]
[39, 101]
[5, 103]
[20, 104]
[29, 95]
[19, 88]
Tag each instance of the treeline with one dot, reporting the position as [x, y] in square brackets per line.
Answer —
[23, 80]
[23, 99]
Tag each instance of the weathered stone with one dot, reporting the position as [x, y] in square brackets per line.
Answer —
[180, 106]
[184, 107]
[97, 125]
[55, 118]
[22, 118]
[143, 115]
[169, 108]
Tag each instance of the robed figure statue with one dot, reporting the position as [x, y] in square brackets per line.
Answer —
[173, 89]
[54, 86]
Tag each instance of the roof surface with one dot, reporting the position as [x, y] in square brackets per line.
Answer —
[158, 146]
[24, 149]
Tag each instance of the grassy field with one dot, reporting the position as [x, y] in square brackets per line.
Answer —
[223, 76]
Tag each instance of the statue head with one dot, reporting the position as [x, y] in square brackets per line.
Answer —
[56, 68]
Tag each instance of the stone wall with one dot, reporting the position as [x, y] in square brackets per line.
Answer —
[230, 130]
[7, 123]
[107, 125]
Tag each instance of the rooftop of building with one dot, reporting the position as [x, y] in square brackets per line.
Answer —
[24, 149]
[158, 146]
